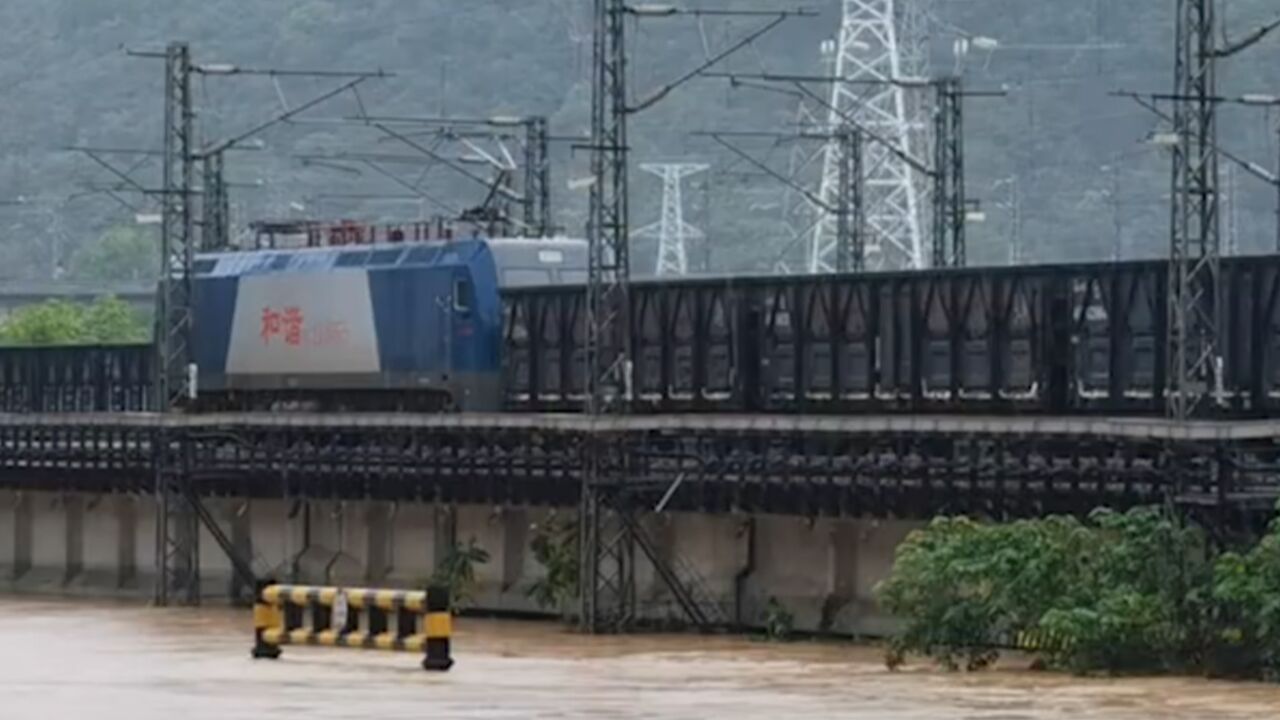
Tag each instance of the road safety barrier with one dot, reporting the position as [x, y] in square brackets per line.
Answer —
[414, 621]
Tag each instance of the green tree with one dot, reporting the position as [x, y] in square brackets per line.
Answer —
[108, 320]
[111, 320]
[123, 253]
[1246, 596]
[55, 322]
[1122, 592]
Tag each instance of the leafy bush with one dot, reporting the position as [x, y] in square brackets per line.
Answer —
[963, 586]
[555, 547]
[779, 622]
[1123, 592]
[457, 572]
[1139, 604]
[1246, 601]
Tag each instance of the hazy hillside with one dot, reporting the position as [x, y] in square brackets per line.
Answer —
[1084, 175]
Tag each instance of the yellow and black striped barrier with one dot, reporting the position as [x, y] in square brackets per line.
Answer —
[410, 620]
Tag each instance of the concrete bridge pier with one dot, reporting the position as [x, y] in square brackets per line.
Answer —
[821, 571]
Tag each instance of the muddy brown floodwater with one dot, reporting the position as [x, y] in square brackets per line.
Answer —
[63, 659]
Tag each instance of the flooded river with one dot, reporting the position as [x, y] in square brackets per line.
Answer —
[89, 660]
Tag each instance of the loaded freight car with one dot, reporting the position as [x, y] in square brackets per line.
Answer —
[414, 327]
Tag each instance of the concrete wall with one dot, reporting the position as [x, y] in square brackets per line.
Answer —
[822, 571]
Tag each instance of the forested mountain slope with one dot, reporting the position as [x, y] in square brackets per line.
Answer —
[1084, 177]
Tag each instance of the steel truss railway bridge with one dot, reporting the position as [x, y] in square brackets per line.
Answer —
[1003, 393]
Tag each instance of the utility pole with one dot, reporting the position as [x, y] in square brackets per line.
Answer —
[215, 230]
[177, 229]
[608, 530]
[608, 564]
[1193, 350]
[177, 530]
[1231, 243]
[948, 169]
[537, 178]
[671, 230]
[177, 521]
[851, 251]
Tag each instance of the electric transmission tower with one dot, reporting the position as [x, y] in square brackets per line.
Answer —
[671, 230]
[879, 44]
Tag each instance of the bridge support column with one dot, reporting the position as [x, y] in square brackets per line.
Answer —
[15, 534]
[412, 556]
[445, 537]
[502, 532]
[378, 526]
[45, 540]
[334, 549]
[101, 530]
[843, 546]
[74, 509]
[125, 509]
[515, 544]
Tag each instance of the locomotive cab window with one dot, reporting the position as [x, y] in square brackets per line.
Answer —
[462, 295]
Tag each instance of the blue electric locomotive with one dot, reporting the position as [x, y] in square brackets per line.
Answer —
[412, 327]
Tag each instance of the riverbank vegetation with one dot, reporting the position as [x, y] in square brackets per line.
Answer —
[1140, 591]
[58, 322]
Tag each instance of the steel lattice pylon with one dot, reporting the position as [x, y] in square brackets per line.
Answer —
[868, 59]
[177, 552]
[1195, 241]
[607, 546]
[671, 230]
[177, 229]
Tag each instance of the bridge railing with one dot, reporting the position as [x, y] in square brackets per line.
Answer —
[1056, 340]
[91, 378]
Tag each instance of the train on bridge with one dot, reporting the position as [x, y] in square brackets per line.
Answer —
[503, 328]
